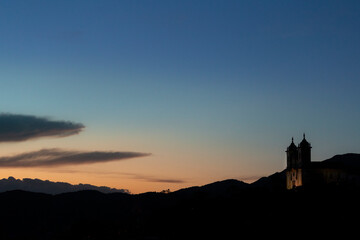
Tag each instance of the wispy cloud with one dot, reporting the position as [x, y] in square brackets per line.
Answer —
[16, 127]
[116, 174]
[159, 180]
[58, 157]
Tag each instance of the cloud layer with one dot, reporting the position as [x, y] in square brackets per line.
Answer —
[16, 127]
[59, 157]
[116, 174]
[158, 180]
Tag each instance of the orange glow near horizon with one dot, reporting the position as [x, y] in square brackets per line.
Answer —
[174, 163]
[132, 183]
[135, 183]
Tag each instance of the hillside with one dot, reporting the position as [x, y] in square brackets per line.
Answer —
[349, 160]
[274, 182]
[49, 187]
[178, 215]
[220, 210]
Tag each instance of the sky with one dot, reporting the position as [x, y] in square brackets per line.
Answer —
[154, 95]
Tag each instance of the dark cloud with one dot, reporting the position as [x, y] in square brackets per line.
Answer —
[16, 127]
[121, 174]
[159, 180]
[162, 180]
[59, 157]
[146, 177]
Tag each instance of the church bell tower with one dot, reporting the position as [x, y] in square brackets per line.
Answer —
[304, 153]
[298, 160]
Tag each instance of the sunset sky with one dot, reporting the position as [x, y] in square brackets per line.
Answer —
[153, 95]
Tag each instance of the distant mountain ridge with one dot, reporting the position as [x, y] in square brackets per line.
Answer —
[274, 182]
[49, 187]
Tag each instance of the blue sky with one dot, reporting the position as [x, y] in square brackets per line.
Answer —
[223, 84]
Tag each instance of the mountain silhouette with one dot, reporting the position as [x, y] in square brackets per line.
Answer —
[217, 188]
[224, 209]
[41, 186]
[274, 182]
[349, 160]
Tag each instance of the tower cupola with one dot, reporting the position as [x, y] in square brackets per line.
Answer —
[304, 143]
[304, 150]
[292, 155]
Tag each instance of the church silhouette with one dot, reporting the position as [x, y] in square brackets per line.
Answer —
[298, 163]
[301, 172]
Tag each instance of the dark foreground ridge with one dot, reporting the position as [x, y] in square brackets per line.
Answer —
[228, 209]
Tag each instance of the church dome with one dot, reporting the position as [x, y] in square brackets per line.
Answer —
[292, 146]
[304, 143]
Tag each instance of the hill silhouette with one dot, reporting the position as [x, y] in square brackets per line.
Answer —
[224, 209]
[350, 160]
[41, 186]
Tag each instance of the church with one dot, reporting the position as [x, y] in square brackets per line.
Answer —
[301, 172]
[298, 163]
